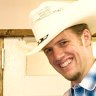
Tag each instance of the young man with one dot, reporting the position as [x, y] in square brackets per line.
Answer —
[63, 31]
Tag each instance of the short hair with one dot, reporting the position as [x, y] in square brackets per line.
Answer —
[78, 29]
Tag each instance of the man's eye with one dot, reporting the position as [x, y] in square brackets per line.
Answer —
[63, 43]
[48, 51]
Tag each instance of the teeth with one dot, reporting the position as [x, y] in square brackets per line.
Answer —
[66, 63]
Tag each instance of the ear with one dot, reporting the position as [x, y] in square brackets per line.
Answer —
[86, 37]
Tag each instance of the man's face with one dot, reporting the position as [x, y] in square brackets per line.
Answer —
[66, 53]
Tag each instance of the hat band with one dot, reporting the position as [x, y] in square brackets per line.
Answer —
[42, 39]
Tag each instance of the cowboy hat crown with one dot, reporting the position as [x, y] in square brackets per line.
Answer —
[52, 17]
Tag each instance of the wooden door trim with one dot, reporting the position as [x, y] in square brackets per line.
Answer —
[1, 69]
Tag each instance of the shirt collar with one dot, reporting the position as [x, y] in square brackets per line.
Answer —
[89, 81]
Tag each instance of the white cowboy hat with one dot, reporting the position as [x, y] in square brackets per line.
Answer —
[52, 17]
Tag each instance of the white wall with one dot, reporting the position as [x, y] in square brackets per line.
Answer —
[17, 83]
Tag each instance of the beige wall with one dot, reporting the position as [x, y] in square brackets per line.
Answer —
[14, 13]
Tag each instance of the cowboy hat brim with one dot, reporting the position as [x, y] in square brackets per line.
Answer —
[77, 13]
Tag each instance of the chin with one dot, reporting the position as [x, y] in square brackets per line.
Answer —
[74, 77]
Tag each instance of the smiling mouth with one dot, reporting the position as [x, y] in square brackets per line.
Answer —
[66, 63]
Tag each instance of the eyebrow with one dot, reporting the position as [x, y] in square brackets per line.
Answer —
[62, 39]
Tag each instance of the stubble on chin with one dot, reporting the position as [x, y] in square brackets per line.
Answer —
[75, 77]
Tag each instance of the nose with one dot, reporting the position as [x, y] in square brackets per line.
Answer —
[58, 53]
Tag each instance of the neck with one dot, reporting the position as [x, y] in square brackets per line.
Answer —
[92, 60]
